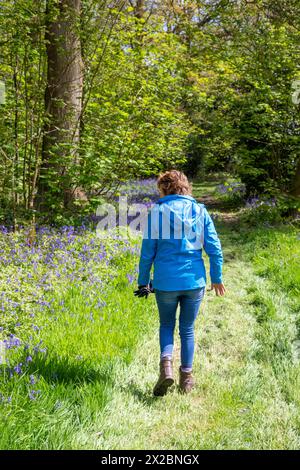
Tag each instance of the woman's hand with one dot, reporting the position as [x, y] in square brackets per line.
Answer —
[144, 291]
[219, 289]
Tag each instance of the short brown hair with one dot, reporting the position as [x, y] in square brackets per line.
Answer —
[174, 182]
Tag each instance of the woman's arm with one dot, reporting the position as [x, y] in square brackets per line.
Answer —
[148, 251]
[212, 247]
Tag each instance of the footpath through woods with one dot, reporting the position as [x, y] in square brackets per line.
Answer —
[247, 392]
[87, 384]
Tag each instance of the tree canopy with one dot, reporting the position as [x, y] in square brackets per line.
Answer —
[98, 92]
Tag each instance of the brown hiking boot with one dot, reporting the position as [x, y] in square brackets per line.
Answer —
[165, 378]
[186, 381]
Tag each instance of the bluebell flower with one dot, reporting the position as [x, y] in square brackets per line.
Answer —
[18, 368]
[32, 379]
[33, 394]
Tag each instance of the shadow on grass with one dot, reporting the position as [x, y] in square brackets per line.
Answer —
[62, 370]
[145, 397]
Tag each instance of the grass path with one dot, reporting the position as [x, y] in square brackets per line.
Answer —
[246, 394]
[237, 402]
[97, 377]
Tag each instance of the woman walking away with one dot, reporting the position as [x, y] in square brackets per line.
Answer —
[176, 231]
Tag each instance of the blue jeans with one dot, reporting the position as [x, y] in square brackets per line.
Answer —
[167, 302]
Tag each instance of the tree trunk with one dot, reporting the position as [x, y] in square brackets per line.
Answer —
[296, 183]
[140, 9]
[63, 103]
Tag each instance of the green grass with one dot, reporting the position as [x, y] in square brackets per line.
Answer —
[85, 342]
[247, 393]
[97, 378]
[77, 376]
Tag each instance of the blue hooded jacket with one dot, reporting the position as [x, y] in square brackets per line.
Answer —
[177, 229]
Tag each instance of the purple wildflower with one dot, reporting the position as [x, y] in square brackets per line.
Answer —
[18, 368]
[32, 379]
[33, 394]
[130, 278]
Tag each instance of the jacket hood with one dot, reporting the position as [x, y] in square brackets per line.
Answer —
[181, 208]
[180, 214]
